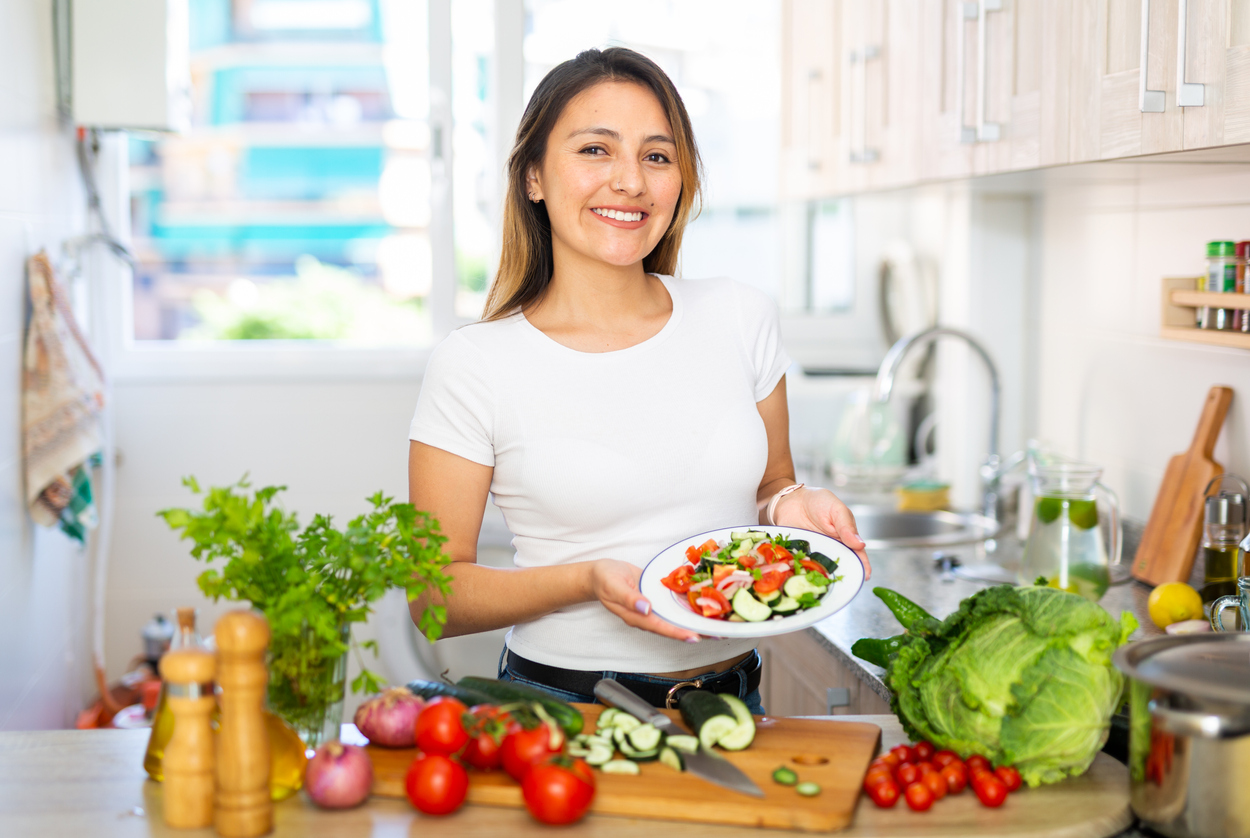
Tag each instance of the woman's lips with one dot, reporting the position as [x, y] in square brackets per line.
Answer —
[616, 222]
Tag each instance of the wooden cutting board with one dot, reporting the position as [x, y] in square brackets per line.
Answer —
[833, 754]
[1174, 529]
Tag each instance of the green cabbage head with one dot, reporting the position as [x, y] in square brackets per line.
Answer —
[1022, 675]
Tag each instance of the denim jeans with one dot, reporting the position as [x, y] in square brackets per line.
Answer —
[506, 673]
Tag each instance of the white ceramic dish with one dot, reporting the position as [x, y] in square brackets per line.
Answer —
[672, 607]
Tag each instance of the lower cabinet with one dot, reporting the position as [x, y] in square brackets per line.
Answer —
[801, 676]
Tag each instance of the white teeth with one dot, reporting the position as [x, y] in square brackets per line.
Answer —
[617, 215]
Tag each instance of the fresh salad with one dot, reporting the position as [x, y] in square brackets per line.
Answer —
[752, 577]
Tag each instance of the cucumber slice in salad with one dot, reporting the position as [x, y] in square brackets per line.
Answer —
[749, 608]
[796, 586]
[785, 605]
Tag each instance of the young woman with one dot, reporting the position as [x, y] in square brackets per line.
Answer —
[611, 409]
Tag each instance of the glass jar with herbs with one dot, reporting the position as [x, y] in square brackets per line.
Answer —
[312, 584]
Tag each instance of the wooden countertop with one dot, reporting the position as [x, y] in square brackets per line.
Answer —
[64, 783]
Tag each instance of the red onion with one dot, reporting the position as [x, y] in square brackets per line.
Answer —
[736, 578]
[390, 719]
[338, 776]
[698, 586]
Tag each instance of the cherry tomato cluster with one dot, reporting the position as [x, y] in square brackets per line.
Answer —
[923, 775]
[557, 789]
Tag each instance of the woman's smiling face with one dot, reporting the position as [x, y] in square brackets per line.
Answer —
[610, 178]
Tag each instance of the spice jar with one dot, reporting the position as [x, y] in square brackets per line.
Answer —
[1241, 317]
[1221, 278]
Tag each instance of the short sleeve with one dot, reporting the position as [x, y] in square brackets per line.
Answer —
[761, 333]
[455, 408]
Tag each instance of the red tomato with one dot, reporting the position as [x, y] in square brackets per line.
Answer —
[975, 762]
[926, 768]
[935, 784]
[956, 777]
[907, 773]
[748, 561]
[990, 790]
[720, 572]
[521, 748]
[944, 758]
[679, 580]
[876, 776]
[693, 555]
[808, 564]
[919, 797]
[486, 725]
[768, 582]
[1009, 776]
[558, 789]
[924, 750]
[773, 553]
[891, 759]
[720, 607]
[904, 753]
[440, 726]
[885, 793]
[436, 784]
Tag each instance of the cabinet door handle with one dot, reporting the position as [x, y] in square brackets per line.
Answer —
[1149, 101]
[986, 131]
[967, 12]
[1188, 94]
[860, 58]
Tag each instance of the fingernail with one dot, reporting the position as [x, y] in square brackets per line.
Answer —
[642, 607]
[694, 638]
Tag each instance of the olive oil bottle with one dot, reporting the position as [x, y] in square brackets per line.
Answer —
[1224, 526]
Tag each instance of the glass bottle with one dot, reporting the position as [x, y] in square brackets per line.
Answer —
[1224, 526]
[1221, 278]
[1240, 319]
[287, 758]
[185, 637]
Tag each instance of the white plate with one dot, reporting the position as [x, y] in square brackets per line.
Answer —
[673, 608]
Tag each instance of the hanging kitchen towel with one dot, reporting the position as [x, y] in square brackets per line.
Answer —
[62, 396]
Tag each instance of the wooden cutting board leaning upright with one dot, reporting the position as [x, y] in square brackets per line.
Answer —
[1174, 529]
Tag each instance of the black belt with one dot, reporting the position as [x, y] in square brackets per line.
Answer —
[657, 695]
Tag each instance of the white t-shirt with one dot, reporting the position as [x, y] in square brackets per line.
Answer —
[614, 454]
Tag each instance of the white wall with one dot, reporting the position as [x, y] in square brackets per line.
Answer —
[1109, 389]
[43, 603]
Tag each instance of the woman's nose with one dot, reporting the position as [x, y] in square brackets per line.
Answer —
[628, 178]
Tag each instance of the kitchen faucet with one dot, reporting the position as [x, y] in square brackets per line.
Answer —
[990, 469]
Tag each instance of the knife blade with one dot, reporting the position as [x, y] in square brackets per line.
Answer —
[702, 763]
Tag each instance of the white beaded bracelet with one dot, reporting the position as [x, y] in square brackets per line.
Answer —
[775, 499]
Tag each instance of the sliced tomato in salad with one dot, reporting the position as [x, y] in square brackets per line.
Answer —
[772, 553]
[694, 554]
[808, 564]
[709, 602]
[720, 572]
[679, 580]
[769, 581]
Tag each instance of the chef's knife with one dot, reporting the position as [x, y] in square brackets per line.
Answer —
[702, 763]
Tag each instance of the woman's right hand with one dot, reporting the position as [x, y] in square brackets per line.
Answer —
[615, 584]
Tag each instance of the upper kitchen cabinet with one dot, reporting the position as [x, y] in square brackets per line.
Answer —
[1152, 76]
[811, 142]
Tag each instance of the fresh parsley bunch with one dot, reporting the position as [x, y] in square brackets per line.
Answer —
[312, 584]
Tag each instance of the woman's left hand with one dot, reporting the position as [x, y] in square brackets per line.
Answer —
[820, 510]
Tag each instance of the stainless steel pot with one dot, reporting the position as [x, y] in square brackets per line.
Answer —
[1189, 734]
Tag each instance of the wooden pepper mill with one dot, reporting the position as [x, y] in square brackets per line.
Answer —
[188, 760]
[244, 807]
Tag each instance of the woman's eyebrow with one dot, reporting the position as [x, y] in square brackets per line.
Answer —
[608, 132]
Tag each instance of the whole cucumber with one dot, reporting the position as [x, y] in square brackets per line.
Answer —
[502, 692]
[430, 690]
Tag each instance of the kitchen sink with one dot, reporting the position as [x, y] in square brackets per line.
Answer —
[883, 527]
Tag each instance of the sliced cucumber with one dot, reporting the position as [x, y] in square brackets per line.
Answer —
[748, 535]
[708, 715]
[744, 733]
[796, 586]
[785, 776]
[749, 608]
[785, 605]
[644, 737]
[625, 722]
[576, 750]
[599, 755]
[606, 717]
[603, 741]
[768, 598]
[672, 758]
[688, 744]
[620, 766]
[641, 756]
[734, 618]
[620, 737]
[808, 789]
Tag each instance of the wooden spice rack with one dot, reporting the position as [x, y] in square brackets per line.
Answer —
[1179, 310]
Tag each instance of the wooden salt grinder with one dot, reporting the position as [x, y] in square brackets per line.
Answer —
[244, 808]
[188, 761]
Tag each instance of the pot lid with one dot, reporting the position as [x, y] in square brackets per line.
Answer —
[1215, 667]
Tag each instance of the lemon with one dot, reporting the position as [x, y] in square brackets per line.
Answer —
[1172, 602]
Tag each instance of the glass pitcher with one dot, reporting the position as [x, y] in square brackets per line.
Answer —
[1066, 546]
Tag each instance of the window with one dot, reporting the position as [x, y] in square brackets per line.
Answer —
[299, 206]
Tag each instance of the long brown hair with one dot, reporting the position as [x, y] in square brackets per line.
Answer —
[525, 264]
